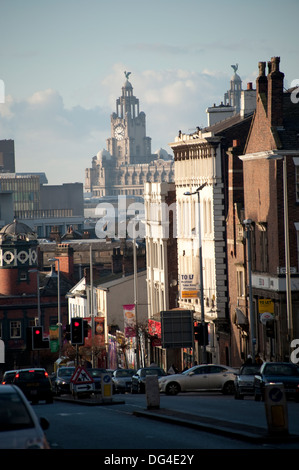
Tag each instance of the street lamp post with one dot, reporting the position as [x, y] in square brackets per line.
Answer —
[247, 224]
[92, 308]
[58, 303]
[187, 193]
[38, 294]
[136, 294]
[287, 244]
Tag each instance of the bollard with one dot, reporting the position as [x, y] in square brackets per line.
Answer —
[152, 392]
[276, 409]
[106, 387]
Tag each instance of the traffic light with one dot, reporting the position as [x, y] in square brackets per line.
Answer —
[201, 334]
[77, 331]
[38, 341]
[196, 332]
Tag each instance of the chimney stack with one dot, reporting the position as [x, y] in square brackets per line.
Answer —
[262, 82]
[275, 93]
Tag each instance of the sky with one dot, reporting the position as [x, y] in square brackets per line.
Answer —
[62, 66]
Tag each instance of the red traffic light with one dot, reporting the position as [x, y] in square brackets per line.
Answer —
[38, 341]
[76, 324]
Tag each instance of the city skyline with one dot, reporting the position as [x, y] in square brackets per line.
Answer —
[63, 67]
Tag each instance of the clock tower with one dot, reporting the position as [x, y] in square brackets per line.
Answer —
[128, 162]
[128, 143]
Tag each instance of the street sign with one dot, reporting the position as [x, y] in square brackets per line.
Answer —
[81, 376]
[81, 381]
[276, 409]
[106, 386]
[177, 328]
[189, 286]
[77, 388]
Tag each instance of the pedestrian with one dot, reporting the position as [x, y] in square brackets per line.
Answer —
[248, 360]
[153, 364]
[172, 370]
[258, 359]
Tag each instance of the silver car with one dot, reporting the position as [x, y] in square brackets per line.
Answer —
[122, 380]
[245, 379]
[207, 377]
[19, 425]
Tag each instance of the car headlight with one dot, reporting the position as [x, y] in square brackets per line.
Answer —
[37, 444]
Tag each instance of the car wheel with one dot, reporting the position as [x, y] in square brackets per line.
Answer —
[228, 388]
[172, 388]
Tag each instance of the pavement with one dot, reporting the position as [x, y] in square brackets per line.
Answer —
[232, 429]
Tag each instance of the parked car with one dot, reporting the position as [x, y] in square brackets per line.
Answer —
[35, 384]
[8, 377]
[244, 380]
[286, 373]
[210, 377]
[61, 380]
[122, 380]
[96, 375]
[139, 379]
[19, 425]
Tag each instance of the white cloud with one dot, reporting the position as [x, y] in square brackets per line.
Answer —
[61, 141]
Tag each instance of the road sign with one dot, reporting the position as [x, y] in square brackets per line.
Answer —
[276, 409]
[106, 386]
[77, 388]
[81, 376]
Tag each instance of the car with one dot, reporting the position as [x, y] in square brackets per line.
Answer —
[61, 380]
[122, 380]
[8, 377]
[19, 426]
[205, 377]
[286, 373]
[244, 380]
[35, 384]
[96, 375]
[139, 379]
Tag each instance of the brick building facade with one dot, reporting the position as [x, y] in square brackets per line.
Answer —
[270, 172]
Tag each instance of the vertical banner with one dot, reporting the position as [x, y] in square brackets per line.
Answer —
[54, 338]
[154, 329]
[129, 320]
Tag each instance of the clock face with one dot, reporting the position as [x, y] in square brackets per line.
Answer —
[119, 132]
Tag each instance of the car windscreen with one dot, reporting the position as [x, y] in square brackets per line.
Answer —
[29, 375]
[249, 370]
[281, 370]
[66, 372]
[152, 372]
[13, 413]
[124, 373]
